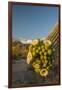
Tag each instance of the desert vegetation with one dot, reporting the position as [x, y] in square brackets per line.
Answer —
[19, 50]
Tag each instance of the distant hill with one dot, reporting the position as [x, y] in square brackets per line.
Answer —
[19, 50]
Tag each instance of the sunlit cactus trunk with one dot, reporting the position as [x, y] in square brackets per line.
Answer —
[54, 37]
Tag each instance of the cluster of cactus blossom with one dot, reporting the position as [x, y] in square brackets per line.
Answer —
[40, 56]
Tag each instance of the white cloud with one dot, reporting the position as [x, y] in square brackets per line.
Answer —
[25, 41]
[29, 41]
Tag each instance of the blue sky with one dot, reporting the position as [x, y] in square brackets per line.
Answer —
[31, 22]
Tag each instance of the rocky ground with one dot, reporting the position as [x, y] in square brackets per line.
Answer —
[22, 73]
